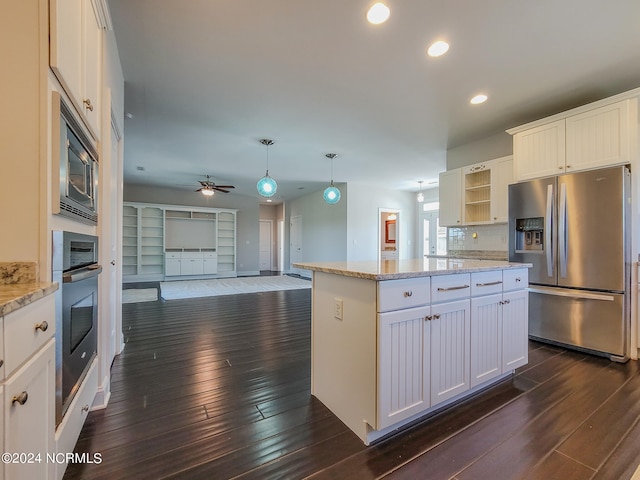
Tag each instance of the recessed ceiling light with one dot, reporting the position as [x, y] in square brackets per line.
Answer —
[480, 98]
[438, 48]
[378, 13]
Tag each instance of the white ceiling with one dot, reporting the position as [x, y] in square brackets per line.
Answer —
[206, 79]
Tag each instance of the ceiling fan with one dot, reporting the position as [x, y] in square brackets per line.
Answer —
[208, 187]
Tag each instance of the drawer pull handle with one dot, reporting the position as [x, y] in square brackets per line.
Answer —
[518, 279]
[44, 326]
[447, 289]
[408, 293]
[21, 399]
[489, 284]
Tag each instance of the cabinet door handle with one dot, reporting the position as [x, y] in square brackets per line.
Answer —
[518, 279]
[428, 317]
[44, 326]
[85, 408]
[436, 316]
[507, 301]
[87, 104]
[447, 289]
[488, 284]
[21, 399]
[408, 293]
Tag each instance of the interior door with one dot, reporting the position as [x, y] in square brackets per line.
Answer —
[295, 233]
[265, 244]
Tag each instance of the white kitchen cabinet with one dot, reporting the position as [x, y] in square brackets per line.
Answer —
[515, 347]
[540, 151]
[585, 138]
[28, 391]
[450, 198]
[76, 56]
[29, 415]
[598, 138]
[476, 194]
[501, 178]
[403, 364]
[450, 342]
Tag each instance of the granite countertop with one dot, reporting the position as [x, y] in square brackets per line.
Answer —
[397, 269]
[19, 286]
[18, 295]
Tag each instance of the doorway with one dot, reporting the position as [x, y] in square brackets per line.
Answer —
[266, 245]
[434, 237]
[388, 234]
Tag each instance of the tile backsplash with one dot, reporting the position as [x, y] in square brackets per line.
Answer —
[488, 238]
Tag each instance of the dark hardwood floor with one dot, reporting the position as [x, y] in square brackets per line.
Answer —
[219, 387]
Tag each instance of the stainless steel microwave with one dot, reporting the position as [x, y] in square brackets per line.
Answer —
[78, 159]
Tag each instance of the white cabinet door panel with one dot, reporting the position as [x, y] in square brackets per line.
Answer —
[515, 345]
[403, 365]
[486, 338]
[450, 344]
[540, 151]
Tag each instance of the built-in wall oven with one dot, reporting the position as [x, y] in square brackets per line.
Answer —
[76, 269]
[78, 166]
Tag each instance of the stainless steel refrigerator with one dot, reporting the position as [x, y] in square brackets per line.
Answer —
[574, 229]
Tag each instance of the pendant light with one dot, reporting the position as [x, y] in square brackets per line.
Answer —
[331, 193]
[420, 196]
[267, 186]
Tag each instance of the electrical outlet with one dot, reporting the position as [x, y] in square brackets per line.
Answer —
[337, 308]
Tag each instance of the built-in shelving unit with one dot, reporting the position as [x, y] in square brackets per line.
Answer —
[158, 239]
[226, 242]
[151, 241]
[477, 196]
[129, 241]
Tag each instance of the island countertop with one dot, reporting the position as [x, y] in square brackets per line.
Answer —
[410, 268]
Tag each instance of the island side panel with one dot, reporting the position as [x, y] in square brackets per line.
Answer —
[343, 352]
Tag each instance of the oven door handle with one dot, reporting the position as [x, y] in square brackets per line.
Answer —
[83, 274]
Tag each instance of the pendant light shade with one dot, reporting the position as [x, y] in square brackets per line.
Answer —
[331, 194]
[420, 196]
[267, 186]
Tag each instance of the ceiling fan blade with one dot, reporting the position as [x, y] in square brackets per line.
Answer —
[221, 190]
[224, 186]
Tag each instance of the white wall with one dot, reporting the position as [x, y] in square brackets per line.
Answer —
[363, 220]
[495, 146]
[324, 227]
[247, 219]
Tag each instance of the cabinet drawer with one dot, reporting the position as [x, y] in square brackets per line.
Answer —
[192, 256]
[172, 255]
[515, 279]
[210, 255]
[486, 283]
[405, 293]
[21, 337]
[450, 287]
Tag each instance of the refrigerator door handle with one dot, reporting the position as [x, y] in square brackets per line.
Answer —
[577, 294]
[547, 231]
[562, 230]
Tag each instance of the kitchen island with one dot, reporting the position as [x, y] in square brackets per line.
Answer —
[393, 341]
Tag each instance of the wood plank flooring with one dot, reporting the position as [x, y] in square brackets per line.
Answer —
[219, 388]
